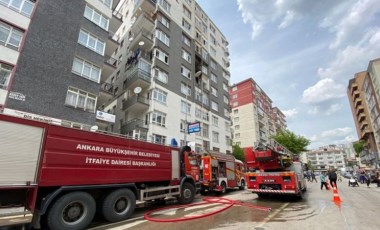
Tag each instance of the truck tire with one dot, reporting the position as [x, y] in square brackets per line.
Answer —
[118, 205]
[74, 210]
[242, 185]
[187, 193]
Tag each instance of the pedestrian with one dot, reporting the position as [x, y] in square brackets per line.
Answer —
[322, 177]
[332, 177]
[340, 178]
[313, 177]
[378, 179]
[368, 177]
[362, 177]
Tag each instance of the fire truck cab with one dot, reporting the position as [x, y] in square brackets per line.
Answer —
[221, 172]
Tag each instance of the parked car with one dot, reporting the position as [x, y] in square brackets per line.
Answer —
[347, 175]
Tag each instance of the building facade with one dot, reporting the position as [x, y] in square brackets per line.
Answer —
[55, 55]
[326, 157]
[172, 77]
[253, 117]
[363, 96]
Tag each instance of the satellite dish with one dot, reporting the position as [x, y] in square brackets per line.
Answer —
[137, 90]
[94, 128]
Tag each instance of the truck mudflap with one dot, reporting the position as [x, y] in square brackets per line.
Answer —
[272, 191]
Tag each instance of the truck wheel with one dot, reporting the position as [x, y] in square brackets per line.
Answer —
[242, 185]
[187, 193]
[72, 211]
[118, 205]
[224, 187]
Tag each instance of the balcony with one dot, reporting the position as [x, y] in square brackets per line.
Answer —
[365, 133]
[148, 6]
[134, 125]
[358, 102]
[106, 93]
[116, 21]
[142, 39]
[112, 43]
[142, 21]
[108, 68]
[138, 76]
[136, 103]
[363, 125]
[356, 94]
[360, 110]
[361, 117]
[354, 87]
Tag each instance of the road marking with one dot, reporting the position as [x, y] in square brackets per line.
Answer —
[272, 215]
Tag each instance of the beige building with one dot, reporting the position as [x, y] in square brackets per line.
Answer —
[253, 117]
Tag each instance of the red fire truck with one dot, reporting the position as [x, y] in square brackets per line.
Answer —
[64, 175]
[273, 170]
[221, 172]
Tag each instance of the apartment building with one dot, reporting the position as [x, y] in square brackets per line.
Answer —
[55, 57]
[253, 117]
[363, 95]
[326, 157]
[171, 77]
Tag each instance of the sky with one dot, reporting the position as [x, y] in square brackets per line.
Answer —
[302, 53]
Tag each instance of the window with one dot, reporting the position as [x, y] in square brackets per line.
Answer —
[228, 140]
[186, 12]
[86, 70]
[198, 94]
[215, 120]
[106, 3]
[159, 118]
[226, 112]
[234, 88]
[237, 127]
[213, 52]
[165, 5]
[161, 55]
[214, 91]
[164, 21]
[10, 36]
[91, 42]
[160, 96]
[96, 17]
[24, 7]
[185, 107]
[237, 135]
[212, 28]
[205, 99]
[201, 113]
[236, 111]
[213, 64]
[227, 126]
[234, 96]
[225, 87]
[214, 105]
[213, 40]
[236, 119]
[80, 99]
[162, 37]
[161, 75]
[183, 126]
[186, 40]
[205, 130]
[186, 56]
[225, 99]
[185, 89]
[186, 72]
[204, 69]
[215, 137]
[214, 78]
[5, 75]
[186, 24]
[159, 139]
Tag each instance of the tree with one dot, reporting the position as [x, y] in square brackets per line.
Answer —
[359, 147]
[238, 152]
[294, 143]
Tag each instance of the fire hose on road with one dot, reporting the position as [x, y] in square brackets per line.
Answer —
[209, 200]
